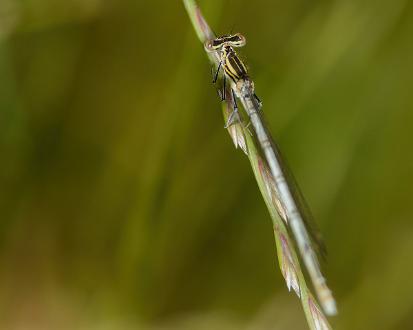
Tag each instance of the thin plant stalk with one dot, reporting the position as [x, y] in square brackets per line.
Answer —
[289, 205]
[279, 199]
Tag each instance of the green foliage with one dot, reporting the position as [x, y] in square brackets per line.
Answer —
[122, 201]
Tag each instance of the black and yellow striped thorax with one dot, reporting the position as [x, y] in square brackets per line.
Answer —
[233, 66]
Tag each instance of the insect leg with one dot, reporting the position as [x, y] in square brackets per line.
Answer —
[216, 73]
[234, 116]
[224, 91]
[258, 100]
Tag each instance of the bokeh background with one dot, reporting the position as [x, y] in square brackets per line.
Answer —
[123, 202]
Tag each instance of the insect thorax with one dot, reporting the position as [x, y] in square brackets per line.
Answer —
[233, 65]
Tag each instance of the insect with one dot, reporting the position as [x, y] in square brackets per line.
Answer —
[233, 67]
[291, 205]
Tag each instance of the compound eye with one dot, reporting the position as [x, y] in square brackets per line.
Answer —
[213, 45]
[209, 46]
[238, 40]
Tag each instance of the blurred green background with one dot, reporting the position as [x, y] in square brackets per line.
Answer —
[123, 202]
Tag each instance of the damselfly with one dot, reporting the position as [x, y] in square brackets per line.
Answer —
[291, 205]
[233, 67]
